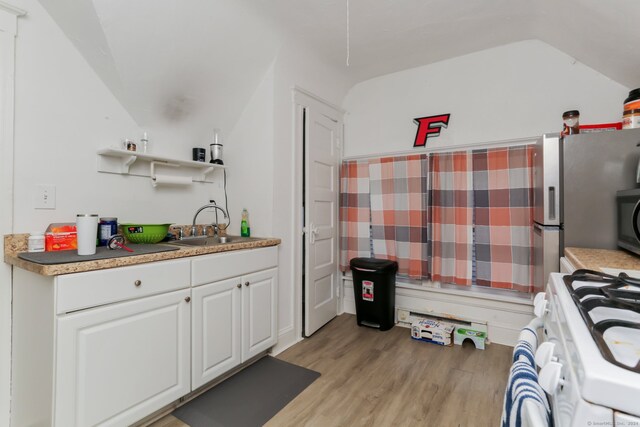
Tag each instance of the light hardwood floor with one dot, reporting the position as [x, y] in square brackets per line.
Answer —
[373, 378]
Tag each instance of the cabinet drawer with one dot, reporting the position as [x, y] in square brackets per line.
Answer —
[93, 288]
[211, 268]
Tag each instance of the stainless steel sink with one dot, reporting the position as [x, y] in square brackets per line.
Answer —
[212, 241]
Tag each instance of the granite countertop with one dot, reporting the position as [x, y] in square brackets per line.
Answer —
[595, 259]
[16, 243]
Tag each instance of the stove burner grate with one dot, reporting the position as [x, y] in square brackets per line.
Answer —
[610, 294]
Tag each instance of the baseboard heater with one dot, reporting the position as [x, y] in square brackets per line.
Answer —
[405, 317]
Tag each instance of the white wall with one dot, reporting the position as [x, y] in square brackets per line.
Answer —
[249, 159]
[8, 28]
[63, 114]
[513, 91]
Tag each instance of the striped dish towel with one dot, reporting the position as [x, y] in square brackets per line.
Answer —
[523, 390]
[526, 346]
[524, 398]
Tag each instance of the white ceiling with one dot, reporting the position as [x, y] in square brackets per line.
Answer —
[392, 35]
[197, 62]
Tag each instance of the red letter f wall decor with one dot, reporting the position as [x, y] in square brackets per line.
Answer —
[429, 127]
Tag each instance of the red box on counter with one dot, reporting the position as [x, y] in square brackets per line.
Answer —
[60, 237]
[601, 127]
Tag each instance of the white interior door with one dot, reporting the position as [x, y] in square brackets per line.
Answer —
[322, 135]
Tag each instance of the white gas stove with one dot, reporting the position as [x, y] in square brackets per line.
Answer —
[590, 360]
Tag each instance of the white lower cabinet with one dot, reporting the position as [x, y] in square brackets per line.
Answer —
[259, 326]
[217, 321]
[233, 320]
[118, 363]
[113, 346]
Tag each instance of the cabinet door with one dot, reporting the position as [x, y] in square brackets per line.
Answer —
[118, 363]
[259, 312]
[216, 330]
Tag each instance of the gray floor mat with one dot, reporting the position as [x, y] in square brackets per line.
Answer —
[249, 398]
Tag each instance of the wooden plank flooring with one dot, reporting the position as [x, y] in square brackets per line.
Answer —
[373, 378]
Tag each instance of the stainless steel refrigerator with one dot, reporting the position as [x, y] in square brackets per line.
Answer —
[575, 184]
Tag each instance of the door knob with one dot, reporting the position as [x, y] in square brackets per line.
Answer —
[138, 282]
[239, 285]
[187, 299]
[246, 283]
[313, 232]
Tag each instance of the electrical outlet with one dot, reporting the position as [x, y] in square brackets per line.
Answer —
[45, 197]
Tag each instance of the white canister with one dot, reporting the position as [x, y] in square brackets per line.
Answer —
[87, 231]
[35, 243]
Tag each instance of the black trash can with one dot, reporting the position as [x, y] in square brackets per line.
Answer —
[374, 287]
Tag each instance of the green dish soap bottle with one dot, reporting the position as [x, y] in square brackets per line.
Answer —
[245, 229]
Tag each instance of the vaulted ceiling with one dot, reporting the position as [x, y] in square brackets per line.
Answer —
[198, 61]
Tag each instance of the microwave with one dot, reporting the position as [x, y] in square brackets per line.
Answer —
[628, 218]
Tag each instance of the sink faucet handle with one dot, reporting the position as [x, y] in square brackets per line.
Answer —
[180, 233]
[204, 230]
[194, 230]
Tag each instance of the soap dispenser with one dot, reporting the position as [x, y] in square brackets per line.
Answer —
[245, 229]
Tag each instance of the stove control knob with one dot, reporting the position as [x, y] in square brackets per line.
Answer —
[544, 354]
[540, 304]
[550, 377]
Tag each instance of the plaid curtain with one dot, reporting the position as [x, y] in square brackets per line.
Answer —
[355, 213]
[451, 218]
[502, 187]
[398, 187]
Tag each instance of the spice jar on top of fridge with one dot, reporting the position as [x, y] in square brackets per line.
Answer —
[571, 120]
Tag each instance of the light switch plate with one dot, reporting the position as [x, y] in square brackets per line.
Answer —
[45, 197]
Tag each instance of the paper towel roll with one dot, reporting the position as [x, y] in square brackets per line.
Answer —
[160, 179]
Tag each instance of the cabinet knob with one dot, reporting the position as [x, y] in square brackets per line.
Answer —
[187, 299]
[239, 285]
[246, 283]
[138, 282]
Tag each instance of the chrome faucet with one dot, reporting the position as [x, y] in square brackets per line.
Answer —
[211, 204]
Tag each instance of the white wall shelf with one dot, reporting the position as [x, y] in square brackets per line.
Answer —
[124, 162]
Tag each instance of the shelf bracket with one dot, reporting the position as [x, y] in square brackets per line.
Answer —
[127, 162]
[203, 175]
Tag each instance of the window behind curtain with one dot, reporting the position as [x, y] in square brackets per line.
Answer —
[458, 217]
[355, 212]
[503, 208]
[398, 187]
[451, 217]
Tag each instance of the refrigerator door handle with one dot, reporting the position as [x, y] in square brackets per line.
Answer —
[552, 202]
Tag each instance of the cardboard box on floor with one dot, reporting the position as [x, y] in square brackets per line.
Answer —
[433, 331]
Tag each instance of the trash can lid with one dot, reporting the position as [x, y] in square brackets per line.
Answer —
[379, 265]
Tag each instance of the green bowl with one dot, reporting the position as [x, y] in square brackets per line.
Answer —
[145, 233]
